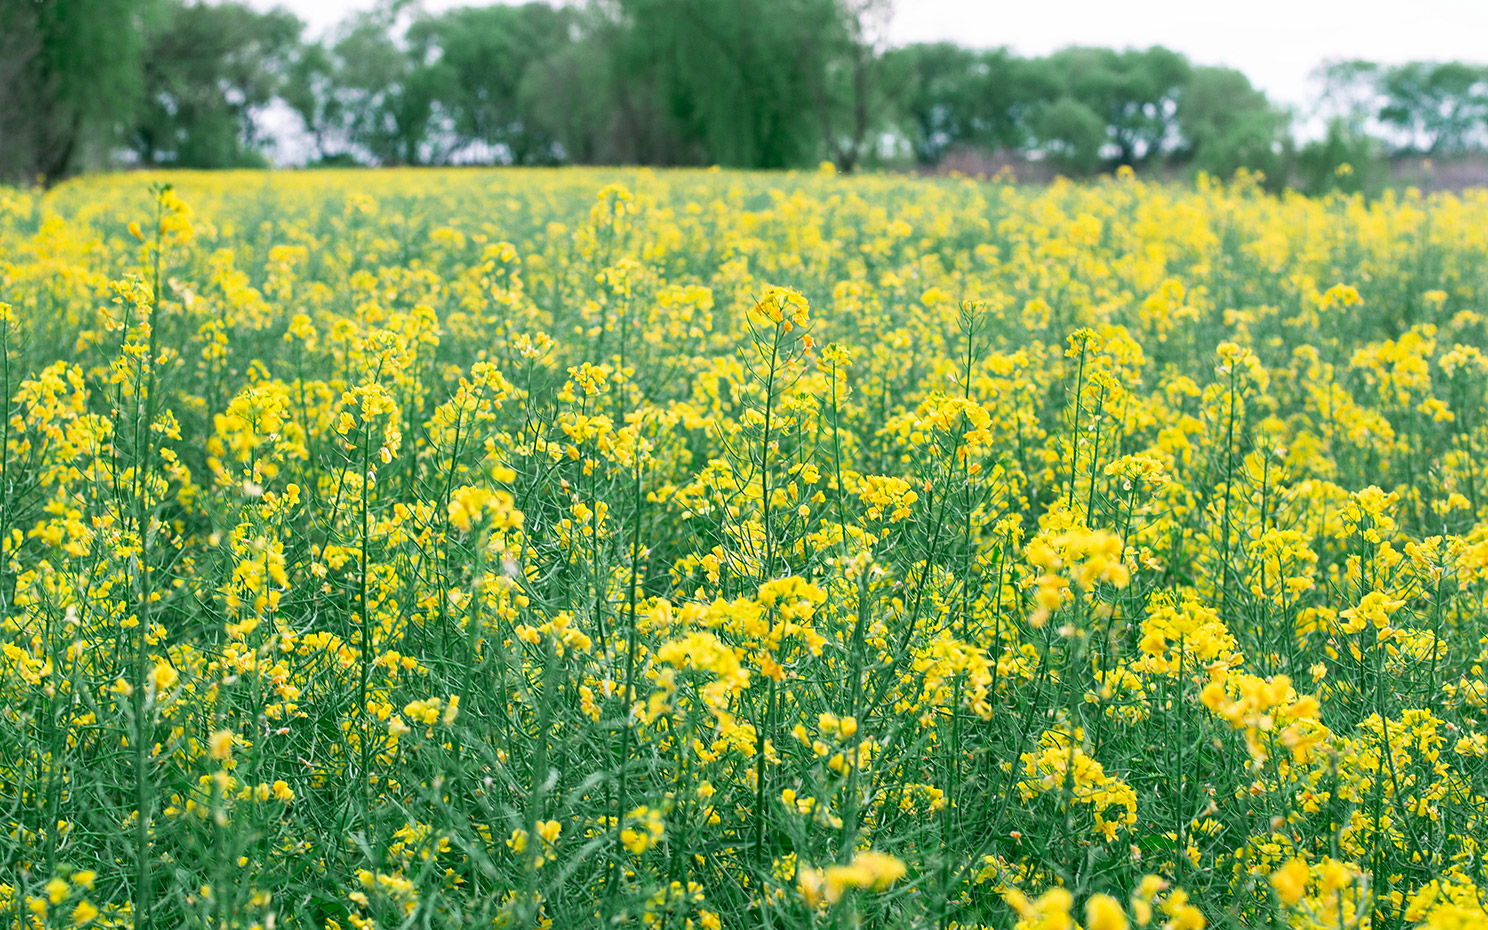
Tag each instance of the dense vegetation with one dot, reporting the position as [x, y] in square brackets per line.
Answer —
[734, 550]
[743, 83]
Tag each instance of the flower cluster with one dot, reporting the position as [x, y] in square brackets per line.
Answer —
[454, 548]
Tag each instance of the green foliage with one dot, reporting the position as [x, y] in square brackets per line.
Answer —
[1343, 160]
[745, 83]
[558, 94]
[1227, 125]
[69, 82]
[388, 94]
[209, 71]
[855, 103]
[1439, 107]
[951, 96]
[485, 53]
[1134, 93]
[736, 82]
[309, 92]
[1420, 107]
[1349, 93]
[1072, 134]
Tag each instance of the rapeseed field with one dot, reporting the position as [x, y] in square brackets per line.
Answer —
[702, 550]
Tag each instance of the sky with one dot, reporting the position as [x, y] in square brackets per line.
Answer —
[1277, 43]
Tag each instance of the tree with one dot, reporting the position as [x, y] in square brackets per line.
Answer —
[69, 82]
[1072, 134]
[20, 40]
[1438, 107]
[948, 95]
[389, 90]
[739, 81]
[570, 96]
[1343, 160]
[851, 100]
[209, 72]
[486, 53]
[937, 98]
[1349, 94]
[1133, 92]
[310, 91]
[1227, 124]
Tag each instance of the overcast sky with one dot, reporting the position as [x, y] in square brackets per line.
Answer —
[1276, 42]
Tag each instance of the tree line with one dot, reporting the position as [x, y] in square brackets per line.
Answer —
[739, 83]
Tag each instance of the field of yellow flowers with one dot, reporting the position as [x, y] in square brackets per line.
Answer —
[706, 550]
